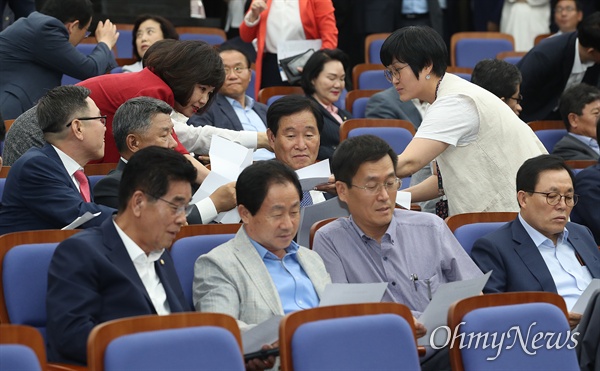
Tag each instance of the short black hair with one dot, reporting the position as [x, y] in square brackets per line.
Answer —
[254, 182]
[289, 105]
[184, 64]
[151, 170]
[353, 152]
[315, 64]
[69, 11]
[231, 48]
[588, 31]
[529, 173]
[167, 28]
[574, 99]
[497, 76]
[417, 46]
[61, 105]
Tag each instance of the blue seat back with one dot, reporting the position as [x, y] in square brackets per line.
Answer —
[359, 107]
[529, 319]
[207, 38]
[16, 357]
[372, 79]
[125, 44]
[191, 348]
[185, 252]
[469, 233]
[25, 281]
[550, 137]
[470, 51]
[397, 138]
[374, 50]
[273, 99]
[368, 342]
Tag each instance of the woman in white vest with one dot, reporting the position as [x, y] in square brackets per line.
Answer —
[478, 141]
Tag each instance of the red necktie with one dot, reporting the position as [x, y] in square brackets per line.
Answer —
[84, 186]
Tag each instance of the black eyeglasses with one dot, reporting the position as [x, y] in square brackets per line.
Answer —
[101, 118]
[553, 198]
[518, 100]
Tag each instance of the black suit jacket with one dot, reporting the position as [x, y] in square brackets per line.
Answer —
[571, 148]
[222, 115]
[546, 69]
[517, 263]
[587, 210]
[92, 280]
[330, 134]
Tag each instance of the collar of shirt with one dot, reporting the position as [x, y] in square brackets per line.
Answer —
[137, 255]
[590, 142]
[390, 231]
[235, 103]
[125, 161]
[70, 165]
[266, 254]
[578, 66]
[538, 238]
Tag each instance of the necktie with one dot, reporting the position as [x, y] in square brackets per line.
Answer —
[306, 199]
[84, 186]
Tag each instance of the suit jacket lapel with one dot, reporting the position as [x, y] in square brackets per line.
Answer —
[590, 260]
[229, 112]
[53, 155]
[163, 275]
[531, 257]
[257, 271]
[314, 275]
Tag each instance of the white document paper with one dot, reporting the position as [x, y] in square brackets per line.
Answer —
[403, 199]
[266, 332]
[436, 313]
[313, 175]
[286, 49]
[352, 293]
[80, 220]
[585, 297]
[309, 215]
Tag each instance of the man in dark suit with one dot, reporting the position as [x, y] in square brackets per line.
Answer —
[587, 184]
[541, 250]
[580, 110]
[233, 109]
[387, 105]
[552, 66]
[36, 51]
[142, 122]
[46, 187]
[121, 268]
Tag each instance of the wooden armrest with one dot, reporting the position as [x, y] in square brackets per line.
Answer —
[65, 367]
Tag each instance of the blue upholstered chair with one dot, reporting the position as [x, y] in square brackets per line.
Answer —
[369, 76]
[517, 318]
[373, 45]
[469, 233]
[356, 101]
[550, 137]
[181, 341]
[124, 44]
[374, 336]
[210, 35]
[272, 93]
[468, 48]
[21, 348]
[185, 252]
[468, 227]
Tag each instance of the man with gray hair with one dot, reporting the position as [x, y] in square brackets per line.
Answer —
[46, 188]
[142, 122]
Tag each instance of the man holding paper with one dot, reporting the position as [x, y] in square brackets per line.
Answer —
[46, 188]
[540, 250]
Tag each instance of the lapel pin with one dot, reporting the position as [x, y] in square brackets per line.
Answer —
[162, 262]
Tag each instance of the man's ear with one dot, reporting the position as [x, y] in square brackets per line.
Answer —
[271, 137]
[71, 26]
[342, 190]
[522, 198]
[133, 143]
[573, 120]
[137, 202]
[244, 214]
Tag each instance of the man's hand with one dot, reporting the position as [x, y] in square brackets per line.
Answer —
[106, 32]
[224, 197]
[574, 319]
[328, 187]
[262, 364]
[419, 328]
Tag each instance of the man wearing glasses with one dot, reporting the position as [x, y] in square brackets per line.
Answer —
[540, 250]
[233, 109]
[121, 268]
[46, 188]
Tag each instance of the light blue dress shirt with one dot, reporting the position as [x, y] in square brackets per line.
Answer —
[295, 289]
[590, 142]
[251, 121]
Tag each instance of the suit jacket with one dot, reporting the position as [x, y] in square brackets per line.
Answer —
[330, 134]
[34, 54]
[92, 280]
[546, 69]
[221, 114]
[106, 192]
[233, 279]
[587, 186]
[39, 194]
[517, 263]
[387, 105]
[571, 148]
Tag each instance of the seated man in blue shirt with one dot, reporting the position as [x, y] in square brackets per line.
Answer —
[233, 109]
[540, 250]
[261, 272]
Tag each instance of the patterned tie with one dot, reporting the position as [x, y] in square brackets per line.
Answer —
[306, 199]
[84, 186]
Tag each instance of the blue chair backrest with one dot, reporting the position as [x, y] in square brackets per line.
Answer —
[531, 319]
[15, 357]
[341, 102]
[2, 183]
[192, 348]
[550, 137]
[125, 44]
[370, 342]
[374, 49]
[273, 99]
[250, 89]
[470, 51]
[359, 107]
[372, 79]
[208, 38]
[466, 76]
[397, 138]
[25, 281]
[185, 251]
[469, 233]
